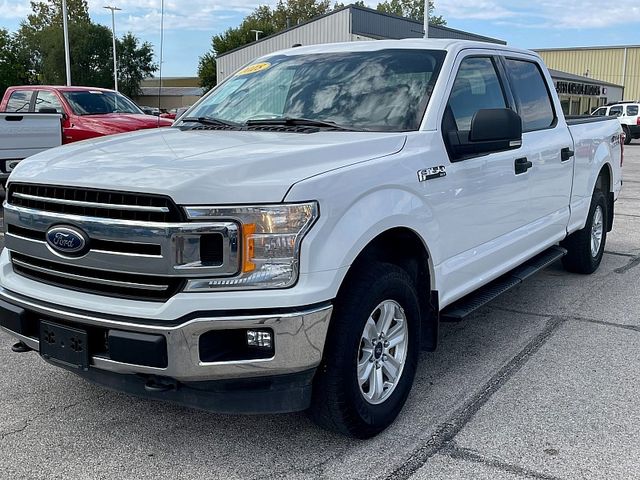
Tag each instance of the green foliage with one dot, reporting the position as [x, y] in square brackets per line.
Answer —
[135, 63]
[39, 47]
[207, 71]
[411, 9]
[13, 64]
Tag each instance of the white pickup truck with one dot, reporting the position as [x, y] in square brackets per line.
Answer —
[25, 134]
[295, 239]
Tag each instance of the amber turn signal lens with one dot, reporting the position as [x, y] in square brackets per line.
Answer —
[248, 250]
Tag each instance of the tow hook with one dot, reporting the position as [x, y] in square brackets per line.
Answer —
[20, 347]
[155, 384]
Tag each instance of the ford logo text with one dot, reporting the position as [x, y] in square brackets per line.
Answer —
[67, 241]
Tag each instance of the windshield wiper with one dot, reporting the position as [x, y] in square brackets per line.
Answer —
[210, 121]
[298, 122]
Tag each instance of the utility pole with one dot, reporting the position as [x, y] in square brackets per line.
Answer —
[115, 58]
[65, 29]
[257, 32]
[426, 18]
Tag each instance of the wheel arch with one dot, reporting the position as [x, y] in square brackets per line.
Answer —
[413, 256]
[604, 183]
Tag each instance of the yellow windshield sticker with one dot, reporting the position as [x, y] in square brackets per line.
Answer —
[255, 68]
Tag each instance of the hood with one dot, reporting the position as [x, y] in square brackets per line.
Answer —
[111, 123]
[203, 166]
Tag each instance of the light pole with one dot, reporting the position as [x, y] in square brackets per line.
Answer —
[65, 29]
[257, 32]
[426, 18]
[113, 31]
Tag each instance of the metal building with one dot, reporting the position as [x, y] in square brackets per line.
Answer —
[347, 24]
[619, 65]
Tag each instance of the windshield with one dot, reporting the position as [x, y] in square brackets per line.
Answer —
[97, 102]
[384, 90]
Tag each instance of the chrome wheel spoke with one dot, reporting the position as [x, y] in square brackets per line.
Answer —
[396, 335]
[364, 370]
[387, 314]
[378, 384]
[391, 367]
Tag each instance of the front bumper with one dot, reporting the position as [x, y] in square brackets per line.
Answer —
[298, 337]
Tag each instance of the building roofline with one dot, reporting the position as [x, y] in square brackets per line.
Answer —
[598, 47]
[364, 9]
[560, 75]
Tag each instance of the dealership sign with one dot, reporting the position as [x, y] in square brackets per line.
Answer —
[572, 88]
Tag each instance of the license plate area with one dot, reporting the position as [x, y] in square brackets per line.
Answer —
[64, 345]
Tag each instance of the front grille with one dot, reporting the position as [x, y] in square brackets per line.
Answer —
[95, 203]
[116, 284]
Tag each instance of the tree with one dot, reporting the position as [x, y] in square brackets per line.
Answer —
[411, 9]
[135, 63]
[90, 49]
[207, 71]
[13, 70]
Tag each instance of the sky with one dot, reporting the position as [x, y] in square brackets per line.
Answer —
[190, 24]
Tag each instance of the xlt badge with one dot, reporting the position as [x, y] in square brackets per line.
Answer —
[431, 173]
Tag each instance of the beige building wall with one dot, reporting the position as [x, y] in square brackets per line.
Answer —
[617, 65]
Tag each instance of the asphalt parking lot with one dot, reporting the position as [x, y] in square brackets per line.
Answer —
[543, 383]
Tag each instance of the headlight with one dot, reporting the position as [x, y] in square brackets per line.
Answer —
[270, 238]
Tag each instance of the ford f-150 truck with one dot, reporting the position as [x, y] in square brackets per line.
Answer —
[87, 112]
[296, 237]
[26, 134]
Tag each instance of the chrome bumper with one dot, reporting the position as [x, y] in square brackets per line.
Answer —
[298, 338]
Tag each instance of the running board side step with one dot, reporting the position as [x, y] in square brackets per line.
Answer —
[470, 303]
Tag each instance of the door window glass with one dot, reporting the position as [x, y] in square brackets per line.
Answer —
[476, 87]
[19, 101]
[48, 100]
[532, 95]
[632, 110]
[601, 112]
[615, 111]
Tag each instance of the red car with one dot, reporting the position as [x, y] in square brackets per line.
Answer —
[87, 112]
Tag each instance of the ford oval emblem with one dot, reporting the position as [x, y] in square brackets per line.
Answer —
[67, 241]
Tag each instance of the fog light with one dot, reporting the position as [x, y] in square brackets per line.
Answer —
[259, 338]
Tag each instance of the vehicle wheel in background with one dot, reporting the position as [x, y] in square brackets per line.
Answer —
[627, 135]
[586, 247]
[371, 352]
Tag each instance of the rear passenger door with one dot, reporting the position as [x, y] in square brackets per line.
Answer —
[543, 140]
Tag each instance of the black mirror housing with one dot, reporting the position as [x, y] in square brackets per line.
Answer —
[492, 130]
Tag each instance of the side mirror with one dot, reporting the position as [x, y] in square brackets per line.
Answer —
[492, 130]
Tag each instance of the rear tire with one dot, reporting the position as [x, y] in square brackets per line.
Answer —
[586, 247]
[358, 347]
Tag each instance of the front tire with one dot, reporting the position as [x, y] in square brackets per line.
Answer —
[585, 247]
[371, 352]
[627, 135]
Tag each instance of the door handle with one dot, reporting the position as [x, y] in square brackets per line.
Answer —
[522, 165]
[566, 153]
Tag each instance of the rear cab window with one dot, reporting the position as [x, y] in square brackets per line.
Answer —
[20, 101]
[632, 110]
[531, 94]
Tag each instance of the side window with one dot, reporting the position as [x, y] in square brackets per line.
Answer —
[601, 112]
[615, 111]
[476, 87]
[19, 101]
[532, 95]
[632, 110]
[48, 100]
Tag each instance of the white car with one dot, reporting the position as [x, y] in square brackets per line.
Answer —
[295, 238]
[629, 115]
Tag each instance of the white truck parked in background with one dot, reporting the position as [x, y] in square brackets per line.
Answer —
[22, 135]
[297, 236]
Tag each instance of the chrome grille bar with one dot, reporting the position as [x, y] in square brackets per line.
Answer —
[80, 203]
[83, 278]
